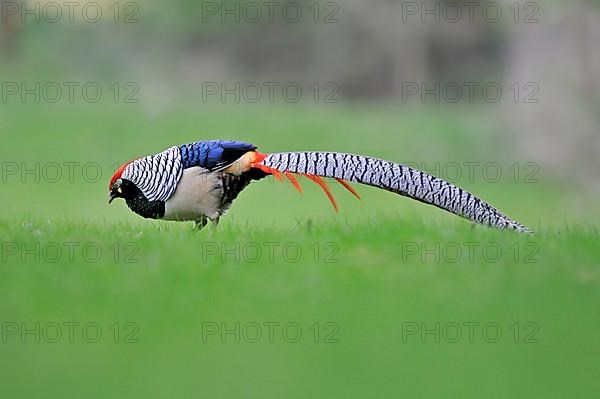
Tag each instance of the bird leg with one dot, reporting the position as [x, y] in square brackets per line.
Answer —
[213, 225]
[203, 222]
[200, 224]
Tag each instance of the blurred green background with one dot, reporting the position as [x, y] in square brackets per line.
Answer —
[156, 65]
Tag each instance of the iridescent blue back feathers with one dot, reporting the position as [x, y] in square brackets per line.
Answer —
[213, 153]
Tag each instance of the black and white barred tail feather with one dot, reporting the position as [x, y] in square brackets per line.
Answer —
[396, 178]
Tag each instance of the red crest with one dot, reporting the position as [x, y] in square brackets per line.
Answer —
[117, 174]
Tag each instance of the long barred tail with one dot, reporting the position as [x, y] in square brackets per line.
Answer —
[386, 175]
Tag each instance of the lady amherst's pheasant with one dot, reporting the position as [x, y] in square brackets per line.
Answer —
[198, 181]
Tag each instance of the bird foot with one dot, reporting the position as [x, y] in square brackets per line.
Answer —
[200, 224]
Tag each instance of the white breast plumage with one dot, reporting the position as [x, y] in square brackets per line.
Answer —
[199, 193]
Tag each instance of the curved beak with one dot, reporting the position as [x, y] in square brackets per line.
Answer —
[111, 196]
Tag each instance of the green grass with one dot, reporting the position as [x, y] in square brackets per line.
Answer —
[363, 280]
[371, 270]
